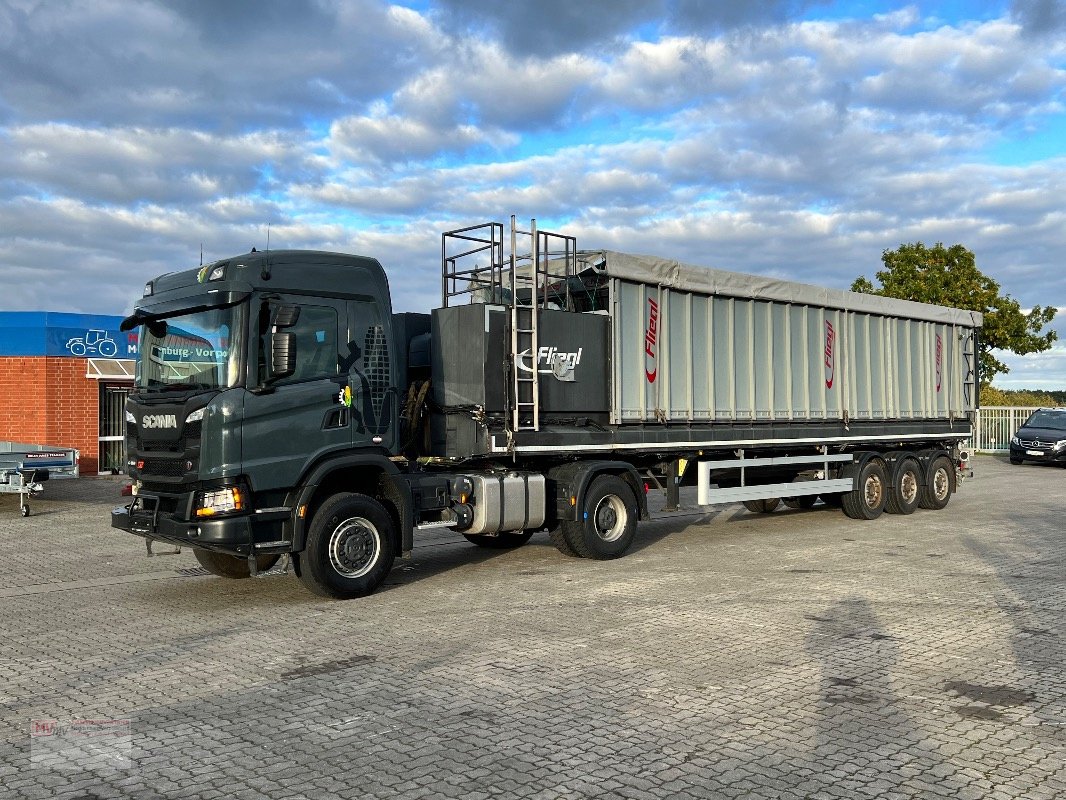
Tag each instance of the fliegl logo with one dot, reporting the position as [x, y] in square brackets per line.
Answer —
[560, 363]
[830, 354]
[939, 361]
[651, 337]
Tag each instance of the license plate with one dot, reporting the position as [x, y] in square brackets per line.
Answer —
[1034, 453]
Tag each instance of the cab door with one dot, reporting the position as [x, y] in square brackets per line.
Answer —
[291, 422]
[368, 363]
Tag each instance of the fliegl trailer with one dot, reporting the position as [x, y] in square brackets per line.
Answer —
[282, 411]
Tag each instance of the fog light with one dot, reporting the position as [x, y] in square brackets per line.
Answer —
[220, 501]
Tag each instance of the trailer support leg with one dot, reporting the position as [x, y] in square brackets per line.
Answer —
[673, 489]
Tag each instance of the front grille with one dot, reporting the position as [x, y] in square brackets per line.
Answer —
[164, 467]
[1035, 445]
[190, 437]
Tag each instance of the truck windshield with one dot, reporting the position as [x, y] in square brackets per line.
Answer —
[199, 350]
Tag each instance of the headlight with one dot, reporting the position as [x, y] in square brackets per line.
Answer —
[1060, 443]
[227, 500]
[196, 415]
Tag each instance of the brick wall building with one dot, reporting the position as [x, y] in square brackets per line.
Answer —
[63, 382]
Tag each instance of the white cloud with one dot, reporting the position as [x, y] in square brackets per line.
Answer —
[748, 139]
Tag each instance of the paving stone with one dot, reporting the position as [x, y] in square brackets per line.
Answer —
[797, 654]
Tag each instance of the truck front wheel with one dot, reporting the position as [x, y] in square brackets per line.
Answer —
[227, 566]
[608, 521]
[350, 547]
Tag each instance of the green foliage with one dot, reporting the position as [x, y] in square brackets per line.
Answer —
[991, 396]
[948, 276]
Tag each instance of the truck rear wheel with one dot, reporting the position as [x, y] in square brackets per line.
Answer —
[609, 520]
[939, 484]
[906, 487]
[867, 499]
[505, 540]
[350, 547]
[227, 566]
[801, 501]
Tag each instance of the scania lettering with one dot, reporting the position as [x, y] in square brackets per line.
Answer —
[159, 421]
[283, 416]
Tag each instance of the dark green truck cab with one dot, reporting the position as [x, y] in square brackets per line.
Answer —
[265, 387]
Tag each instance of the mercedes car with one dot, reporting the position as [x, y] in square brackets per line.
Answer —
[1042, 438]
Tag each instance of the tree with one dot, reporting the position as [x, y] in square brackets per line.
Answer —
[948, 276]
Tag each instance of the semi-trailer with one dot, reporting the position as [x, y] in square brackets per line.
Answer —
[282, 410]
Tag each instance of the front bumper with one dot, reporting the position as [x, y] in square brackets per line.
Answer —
[145, 517]
[1022, 453]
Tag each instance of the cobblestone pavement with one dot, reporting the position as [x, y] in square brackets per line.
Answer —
[796, 654]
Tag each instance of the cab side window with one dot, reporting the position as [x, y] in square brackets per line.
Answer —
[315, 331]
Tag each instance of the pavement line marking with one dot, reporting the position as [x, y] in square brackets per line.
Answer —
[92, 583]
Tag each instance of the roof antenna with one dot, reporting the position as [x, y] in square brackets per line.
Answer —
[201, 254]
[264, 272]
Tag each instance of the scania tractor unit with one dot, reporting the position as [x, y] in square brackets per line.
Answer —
[283, 412]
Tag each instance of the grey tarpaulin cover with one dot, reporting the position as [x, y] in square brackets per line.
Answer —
[686, 277]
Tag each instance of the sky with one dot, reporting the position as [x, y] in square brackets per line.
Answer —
[792, 138]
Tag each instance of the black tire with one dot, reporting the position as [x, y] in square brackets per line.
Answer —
[350, 547]
[1016, 461]
[761, 506]
[802, 501]
[232, 567]
[506, 540]
[558, 538]
[939, 484]
[609, 520]
[867, 499]
[906, 488]
[833, 499]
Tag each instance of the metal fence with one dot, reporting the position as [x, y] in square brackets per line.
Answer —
[995, 426]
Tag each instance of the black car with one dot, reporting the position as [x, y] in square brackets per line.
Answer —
[1042, 438]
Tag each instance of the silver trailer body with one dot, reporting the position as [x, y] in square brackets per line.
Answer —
[695, 344]
[671, 358]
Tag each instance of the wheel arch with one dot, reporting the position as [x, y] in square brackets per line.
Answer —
[574, 478]
[369, 474]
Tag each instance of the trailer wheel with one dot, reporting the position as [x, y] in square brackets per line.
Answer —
[350, 547]
[802, 501]
[608, 523]
[558, 538]
[505, 540]
[226, 566]
[867, 499]
[906, 488]
[939, 484]
[761, 506]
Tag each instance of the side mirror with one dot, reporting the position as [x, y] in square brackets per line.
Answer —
[282, 355]
[286, 316]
